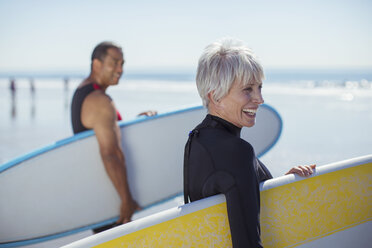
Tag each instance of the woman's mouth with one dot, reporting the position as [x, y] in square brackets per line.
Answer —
[251, 112]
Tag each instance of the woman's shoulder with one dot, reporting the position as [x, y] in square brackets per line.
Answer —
[217, 138]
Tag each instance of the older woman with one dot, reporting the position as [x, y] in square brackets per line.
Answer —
[217, 160]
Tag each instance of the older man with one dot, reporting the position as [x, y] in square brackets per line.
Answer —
[92, 108]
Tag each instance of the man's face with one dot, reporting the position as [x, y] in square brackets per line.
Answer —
[111, 67]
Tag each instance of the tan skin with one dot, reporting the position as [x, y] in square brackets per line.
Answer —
[239, 107]
[99, 113]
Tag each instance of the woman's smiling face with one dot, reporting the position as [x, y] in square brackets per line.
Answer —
[240, 105]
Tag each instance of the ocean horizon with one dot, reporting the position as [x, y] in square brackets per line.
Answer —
[271, 73]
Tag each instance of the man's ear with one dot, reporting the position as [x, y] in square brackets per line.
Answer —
[96, 65]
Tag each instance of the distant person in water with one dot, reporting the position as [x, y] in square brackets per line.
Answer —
[13, 89]
[92, 108]
[32, 91]
[12, 86]
[229, 81]
[32, 86]
[65, 80]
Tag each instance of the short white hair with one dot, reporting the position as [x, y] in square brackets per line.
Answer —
[224, 62]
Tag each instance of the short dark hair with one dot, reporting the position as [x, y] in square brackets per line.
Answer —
[100, 51]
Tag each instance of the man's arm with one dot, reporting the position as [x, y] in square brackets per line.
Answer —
[98, 113]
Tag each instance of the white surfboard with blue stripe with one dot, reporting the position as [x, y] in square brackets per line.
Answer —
[63, 188]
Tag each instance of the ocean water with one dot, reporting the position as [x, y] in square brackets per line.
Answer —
[327, 116]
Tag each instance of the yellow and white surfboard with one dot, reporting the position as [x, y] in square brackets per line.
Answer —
[332, 208]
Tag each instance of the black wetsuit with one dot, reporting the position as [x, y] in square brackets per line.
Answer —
[218, 161]
[77, 102]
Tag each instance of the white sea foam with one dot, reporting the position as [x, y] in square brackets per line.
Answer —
[310, 90]
[361, 87]
[157, 86]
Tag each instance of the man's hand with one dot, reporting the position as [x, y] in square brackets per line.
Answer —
[148, 113]
[126, 211]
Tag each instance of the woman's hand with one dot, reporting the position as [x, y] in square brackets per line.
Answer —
[302, 170]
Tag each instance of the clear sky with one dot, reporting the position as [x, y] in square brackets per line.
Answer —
[160, 35]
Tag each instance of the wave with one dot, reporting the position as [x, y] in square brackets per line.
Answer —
[362, 87]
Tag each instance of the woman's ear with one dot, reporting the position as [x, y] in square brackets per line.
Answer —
[211, 98]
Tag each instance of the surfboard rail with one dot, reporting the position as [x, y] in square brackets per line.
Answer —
[89, 133]
[308, 218]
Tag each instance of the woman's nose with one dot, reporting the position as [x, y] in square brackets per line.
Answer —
[258, 97]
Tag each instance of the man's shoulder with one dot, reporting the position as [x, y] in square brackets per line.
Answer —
[98, 107]
[99, 98]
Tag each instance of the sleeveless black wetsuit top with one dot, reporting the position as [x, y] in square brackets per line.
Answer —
[218, 161]
[77, 102]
